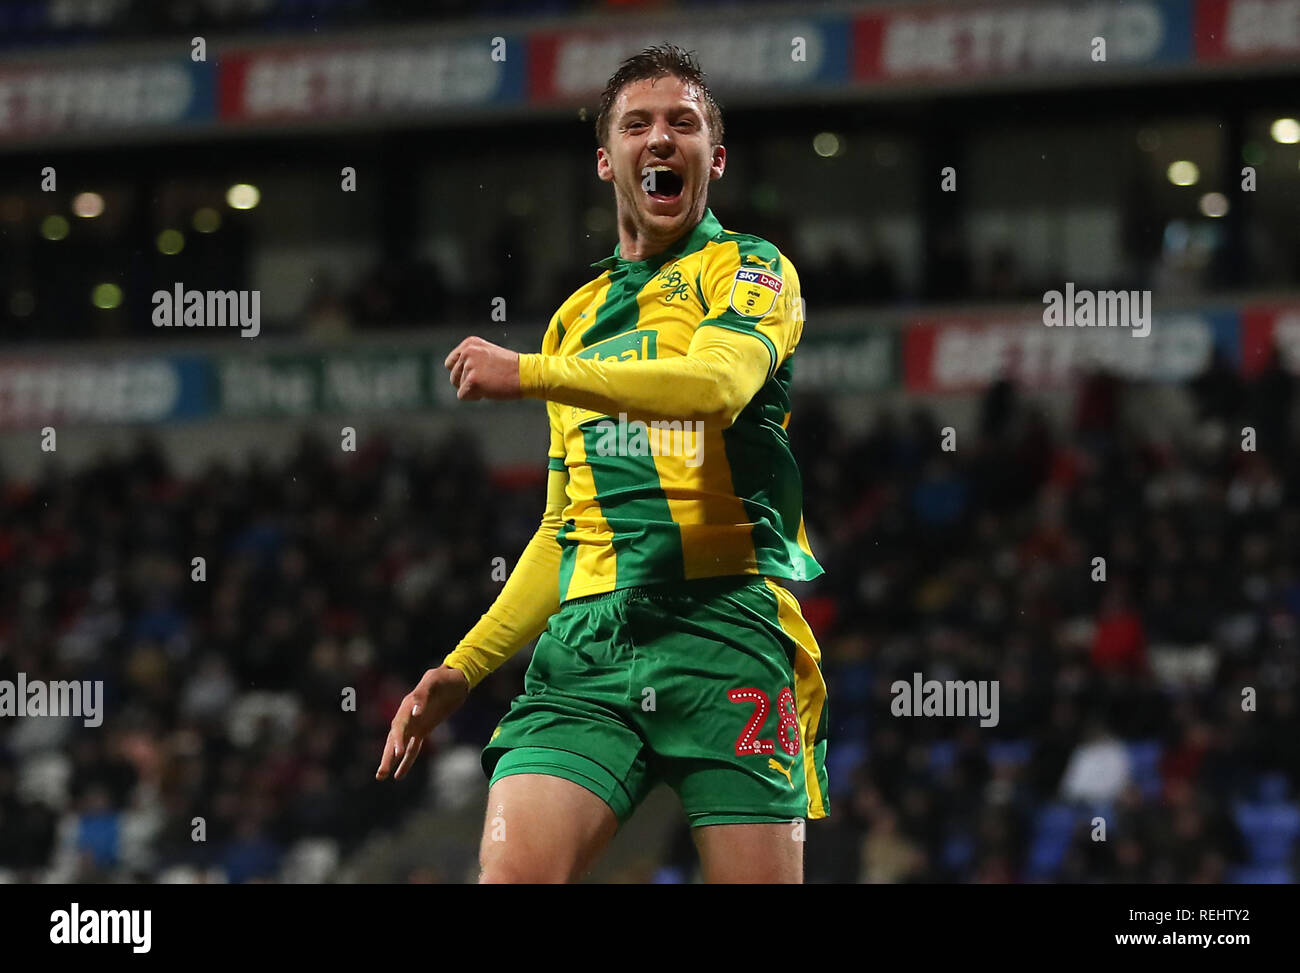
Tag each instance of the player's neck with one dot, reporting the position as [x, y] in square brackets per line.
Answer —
[638, 242]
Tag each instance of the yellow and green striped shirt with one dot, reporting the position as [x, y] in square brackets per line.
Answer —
[661, 498]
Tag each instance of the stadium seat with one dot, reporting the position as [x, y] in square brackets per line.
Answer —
[1270, 831]
[1144, 759]
[958, 851]
[854, 682]
[852, 726]
[1053, 831]
[943, 753]
[1015, 753]
[100, 835]
[669, 875]
[1271, 788]
[312, 861]
[843, 758]
[1260, 875]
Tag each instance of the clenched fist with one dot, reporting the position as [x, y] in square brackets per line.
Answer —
[482, 370]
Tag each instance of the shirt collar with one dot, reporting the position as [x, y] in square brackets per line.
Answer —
[704, 231]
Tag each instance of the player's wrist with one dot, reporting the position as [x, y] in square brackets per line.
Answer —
[461, 662]
[530, 374]
[464, 677]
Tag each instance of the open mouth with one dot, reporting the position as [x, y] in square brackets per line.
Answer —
[664, 184]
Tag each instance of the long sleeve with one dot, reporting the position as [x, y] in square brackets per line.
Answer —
[714, 380]
[530, 596]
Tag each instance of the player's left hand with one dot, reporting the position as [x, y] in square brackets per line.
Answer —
[482, 370]
[439, 694]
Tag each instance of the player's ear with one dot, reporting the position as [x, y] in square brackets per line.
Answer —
[604, 171]
[718, 164]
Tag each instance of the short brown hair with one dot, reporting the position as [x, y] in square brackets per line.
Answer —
[659, 62]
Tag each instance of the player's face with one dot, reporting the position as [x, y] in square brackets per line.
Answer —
[659, 157]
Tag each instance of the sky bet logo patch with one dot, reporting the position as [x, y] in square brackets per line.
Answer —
[753, 292]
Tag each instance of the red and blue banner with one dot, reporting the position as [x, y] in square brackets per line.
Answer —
[301, 82]
[160, 94]
[750, 59]
[932, 42]
[740, 54]
[1238, 31]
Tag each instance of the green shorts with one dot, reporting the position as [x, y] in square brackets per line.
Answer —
[713, 686]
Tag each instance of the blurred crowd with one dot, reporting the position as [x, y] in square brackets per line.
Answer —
[247, 695]
[1148, 728]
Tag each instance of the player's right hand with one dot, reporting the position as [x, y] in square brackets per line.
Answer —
[440, 693]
